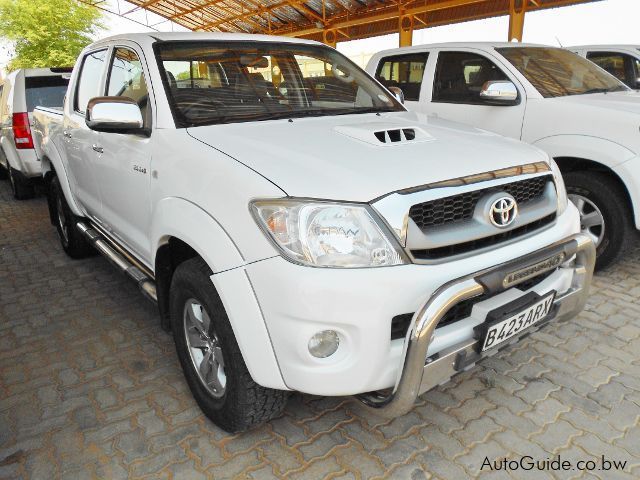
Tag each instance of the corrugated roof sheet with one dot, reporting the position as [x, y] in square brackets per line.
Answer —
[353, 18]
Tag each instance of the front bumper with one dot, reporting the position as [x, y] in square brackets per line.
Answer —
[419, 375]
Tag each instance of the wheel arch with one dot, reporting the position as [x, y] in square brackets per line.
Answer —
[53, 166]
[181, 230]
[573, 164]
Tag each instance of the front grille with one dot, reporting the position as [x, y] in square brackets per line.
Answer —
[465, 247]
[458, 208]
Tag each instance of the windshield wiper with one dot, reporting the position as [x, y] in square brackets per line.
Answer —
[604, 90]
[286, 114]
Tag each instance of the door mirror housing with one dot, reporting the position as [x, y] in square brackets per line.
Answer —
[397, 93]
[114, 114]
[499, 92]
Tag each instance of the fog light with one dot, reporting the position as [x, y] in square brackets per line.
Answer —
[324, 344]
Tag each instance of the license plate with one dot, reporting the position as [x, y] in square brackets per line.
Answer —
[502, 330]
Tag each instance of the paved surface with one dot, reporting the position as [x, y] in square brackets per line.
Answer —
[91, 387]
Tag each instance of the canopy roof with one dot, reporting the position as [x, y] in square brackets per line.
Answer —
[339, 19]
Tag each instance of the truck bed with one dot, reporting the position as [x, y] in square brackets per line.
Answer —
[47, 127]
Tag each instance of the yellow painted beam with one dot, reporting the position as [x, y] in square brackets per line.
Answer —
[405, 30]
[517, 10]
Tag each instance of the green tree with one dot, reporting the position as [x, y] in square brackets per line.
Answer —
[47, 33]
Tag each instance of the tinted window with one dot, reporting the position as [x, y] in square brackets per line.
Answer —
[45, 91]
[89, 81]
[218, 82]
[405, 72]
[622, 66]
[460, 77]
[556, 72]
[126, 79]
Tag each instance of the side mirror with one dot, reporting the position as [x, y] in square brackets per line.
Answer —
[499, 92]
[398, 93]
[114, 114]
[637, 87]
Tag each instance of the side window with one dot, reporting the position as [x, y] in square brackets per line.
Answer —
[405, 72]
[620, 65]
[126, 79]
[460, 76]
[89, 80]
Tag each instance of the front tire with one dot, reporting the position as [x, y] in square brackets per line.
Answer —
[604, 213]
[72, 241]
[210, 357]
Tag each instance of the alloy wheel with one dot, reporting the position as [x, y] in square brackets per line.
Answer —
[62, 220]
[591, 218]
[204, 348]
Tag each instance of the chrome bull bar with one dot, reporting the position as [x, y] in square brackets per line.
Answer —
[419, 373]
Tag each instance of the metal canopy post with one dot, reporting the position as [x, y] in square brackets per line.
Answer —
[517, 10]
[405, 29]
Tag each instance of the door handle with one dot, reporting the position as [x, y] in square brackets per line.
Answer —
[97, 148]
[66, 134]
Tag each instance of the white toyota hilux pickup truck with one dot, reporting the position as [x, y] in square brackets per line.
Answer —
[583, 117]
[298, 228]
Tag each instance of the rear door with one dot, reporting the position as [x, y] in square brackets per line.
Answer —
[454, 92]
[123, 161]
[79, 140]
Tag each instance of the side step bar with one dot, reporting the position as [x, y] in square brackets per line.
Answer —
[147, 285]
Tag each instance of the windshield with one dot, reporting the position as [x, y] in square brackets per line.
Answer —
[225, 82]
[555, 72]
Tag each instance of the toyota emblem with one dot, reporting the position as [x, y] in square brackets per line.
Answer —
[503, 212]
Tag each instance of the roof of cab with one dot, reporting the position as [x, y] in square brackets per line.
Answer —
[480, 45]
[610, 46]
[144, 38]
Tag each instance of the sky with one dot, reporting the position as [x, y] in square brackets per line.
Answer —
[607, 21]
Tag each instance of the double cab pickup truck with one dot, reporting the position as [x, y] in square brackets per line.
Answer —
[299, 229]
[583, 117]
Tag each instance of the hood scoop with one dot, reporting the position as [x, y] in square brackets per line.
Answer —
[384, 135]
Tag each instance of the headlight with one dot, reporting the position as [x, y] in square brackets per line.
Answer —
[325, 234]
[560, 188]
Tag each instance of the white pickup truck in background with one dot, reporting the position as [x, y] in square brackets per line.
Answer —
[298, 228]
[586, 119]
[621, 61]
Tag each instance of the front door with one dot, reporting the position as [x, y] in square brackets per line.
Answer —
[455, 93]
[123, 161]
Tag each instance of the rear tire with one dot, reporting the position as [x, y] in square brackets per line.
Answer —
[4, 172]
[73, 242]
[210, 357]
[604, 213]
[20, 186]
